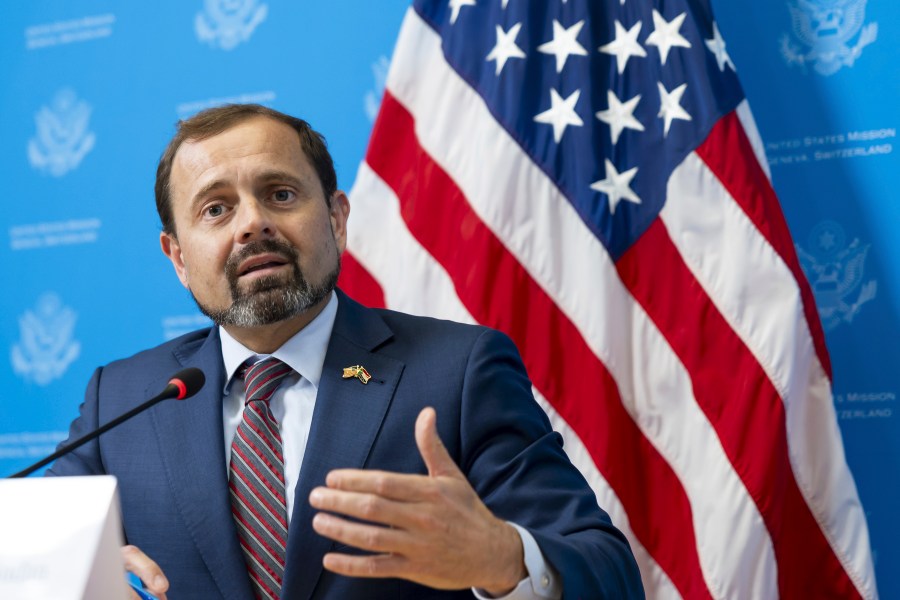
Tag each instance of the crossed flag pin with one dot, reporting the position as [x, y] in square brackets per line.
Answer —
[357, 371]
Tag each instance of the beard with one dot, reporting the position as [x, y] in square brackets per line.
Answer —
[272, 298]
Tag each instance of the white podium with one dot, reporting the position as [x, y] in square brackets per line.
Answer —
[60, 539]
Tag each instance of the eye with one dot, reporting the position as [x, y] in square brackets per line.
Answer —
[282, 195]
[214, 210]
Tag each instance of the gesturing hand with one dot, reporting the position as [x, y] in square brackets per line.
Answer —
[434, 529]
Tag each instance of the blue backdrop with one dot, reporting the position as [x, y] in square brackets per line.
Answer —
[91, 90]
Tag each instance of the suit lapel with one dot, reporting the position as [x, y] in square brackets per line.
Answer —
[346, 421]
[191, 442]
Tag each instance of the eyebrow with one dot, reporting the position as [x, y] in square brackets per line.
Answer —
[206, 189]
[269, 176]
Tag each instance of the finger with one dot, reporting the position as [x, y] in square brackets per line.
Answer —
[393, 486]
[365, 506]
[373, 538]
[146, 569]
[377, 566]
[437, 459]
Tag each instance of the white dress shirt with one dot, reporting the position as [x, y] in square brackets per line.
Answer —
[292, 405]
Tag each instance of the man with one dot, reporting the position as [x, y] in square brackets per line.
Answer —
[404, 455]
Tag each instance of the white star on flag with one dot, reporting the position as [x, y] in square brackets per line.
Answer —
[456, 6]
[506, 47]
[665, 34]
[625, 45]
[670, 106]
[620, 115]
[717, 47]
[563, 43]
[616, 186]
[561, 113]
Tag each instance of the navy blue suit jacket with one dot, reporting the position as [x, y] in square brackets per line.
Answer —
[170, 461]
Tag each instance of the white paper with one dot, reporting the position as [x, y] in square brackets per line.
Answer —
[60, 538]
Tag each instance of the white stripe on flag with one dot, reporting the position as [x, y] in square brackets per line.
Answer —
[411, 278]
[749, 125]
[756, 292]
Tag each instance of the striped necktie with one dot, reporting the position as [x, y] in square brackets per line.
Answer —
[256, 480]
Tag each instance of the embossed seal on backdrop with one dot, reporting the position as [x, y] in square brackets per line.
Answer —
[46, 346]
[825, 30]
[836, 271]
[227, 23]
[62, 138]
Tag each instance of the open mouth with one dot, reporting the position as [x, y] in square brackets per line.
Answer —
[261, 265]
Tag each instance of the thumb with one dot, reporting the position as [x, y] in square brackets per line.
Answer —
[435, 455]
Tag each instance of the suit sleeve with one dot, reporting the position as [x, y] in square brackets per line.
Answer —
[517, 465]
[86, 459]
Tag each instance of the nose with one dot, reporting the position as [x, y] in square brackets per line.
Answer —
[253, 221]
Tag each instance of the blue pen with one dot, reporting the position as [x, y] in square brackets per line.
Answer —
[135, 583]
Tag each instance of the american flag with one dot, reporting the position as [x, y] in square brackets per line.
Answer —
[587, 177]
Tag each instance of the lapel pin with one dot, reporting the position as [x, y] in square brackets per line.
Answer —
[357, 371]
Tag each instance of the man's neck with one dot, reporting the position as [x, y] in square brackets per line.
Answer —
[266, 339]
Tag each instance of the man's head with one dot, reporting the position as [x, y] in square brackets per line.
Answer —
[210, 122]
[252, 226]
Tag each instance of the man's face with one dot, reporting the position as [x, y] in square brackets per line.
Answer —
[256, 242]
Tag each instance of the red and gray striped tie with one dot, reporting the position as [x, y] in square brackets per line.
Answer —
[256, 480]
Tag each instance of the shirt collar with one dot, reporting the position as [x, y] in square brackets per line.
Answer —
[304, 351]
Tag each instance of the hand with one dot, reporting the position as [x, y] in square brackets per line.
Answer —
[436, 530]
[141, 565]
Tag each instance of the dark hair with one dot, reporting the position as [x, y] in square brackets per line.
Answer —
[214, 121]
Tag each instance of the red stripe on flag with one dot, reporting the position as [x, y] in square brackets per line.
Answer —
[359, 284]
[744, 408]
[728, 154]
[499, 292]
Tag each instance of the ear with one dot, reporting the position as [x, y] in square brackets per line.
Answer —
[339, 212]
[172, 249]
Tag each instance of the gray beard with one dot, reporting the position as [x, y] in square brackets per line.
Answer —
[272, 298]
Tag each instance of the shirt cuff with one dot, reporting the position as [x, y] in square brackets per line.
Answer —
[542, 582]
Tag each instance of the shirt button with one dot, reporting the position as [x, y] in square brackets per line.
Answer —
[545, 581]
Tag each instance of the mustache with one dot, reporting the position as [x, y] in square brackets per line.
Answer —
[270, 246]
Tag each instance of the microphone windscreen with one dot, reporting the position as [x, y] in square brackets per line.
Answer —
[192, 378]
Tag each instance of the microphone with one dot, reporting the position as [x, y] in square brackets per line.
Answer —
[183, 384]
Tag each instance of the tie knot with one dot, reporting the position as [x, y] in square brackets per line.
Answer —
[261, 378]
